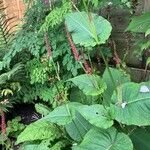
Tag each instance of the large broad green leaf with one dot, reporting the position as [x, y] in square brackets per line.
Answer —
[42, 109]
[97, 115]
[67, 115]
[90, 84]
[61, 144]
[63, 115]
[77, 95]
[39, 130]
[110, 139]
[140, 138]
[78, 127]
[34, 147]
[132, 104]
[45, 145]
[119, 78]
[88, 31]
[140, 23]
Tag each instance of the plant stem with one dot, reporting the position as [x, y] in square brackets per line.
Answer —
[56, 71]
[110, 74]
[85, 6]
[90, 61]
[59, 92]
[93, 30]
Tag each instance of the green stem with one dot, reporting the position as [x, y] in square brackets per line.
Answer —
[82, 66]
[55, 69]
[58, 77]
[95, 82]
[85, 6]
[63, 98]
[90, 61]
[110, 74]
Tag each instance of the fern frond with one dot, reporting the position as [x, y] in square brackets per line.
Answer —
[7, 29]
[10, 74]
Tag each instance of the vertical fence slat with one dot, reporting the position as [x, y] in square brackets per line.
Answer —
[146, 5]
[15, 8]
[18, 7]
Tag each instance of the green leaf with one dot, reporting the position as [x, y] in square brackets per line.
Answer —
[140, 24]
[34, 147]
[61, 144]
[14, 127]
[90, 84]
[56, 16]
[39, 130]
[145, 45]
[88, 32]
[97, 115]
[42, 109]
[77, 95]
[147, 32]
[62, 115]
[110, 139]
[132, 106]
[148, 61]
[15, 71]
[119, 78]
[140, 138]
[94, 2]
[67, 115]
[78, 127]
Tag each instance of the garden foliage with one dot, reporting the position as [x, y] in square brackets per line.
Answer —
[52, 63]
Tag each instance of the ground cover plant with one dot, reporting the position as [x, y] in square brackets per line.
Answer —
[63, 59]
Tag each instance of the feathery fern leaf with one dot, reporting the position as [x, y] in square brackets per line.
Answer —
[10, 74]
[7, 30]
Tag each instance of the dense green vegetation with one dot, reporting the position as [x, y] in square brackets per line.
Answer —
[61, 60]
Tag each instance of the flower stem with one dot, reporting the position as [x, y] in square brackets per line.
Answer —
[3, 124]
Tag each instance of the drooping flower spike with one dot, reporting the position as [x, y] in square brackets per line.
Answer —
[72, 45]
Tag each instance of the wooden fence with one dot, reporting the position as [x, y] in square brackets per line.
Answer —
[14, 8]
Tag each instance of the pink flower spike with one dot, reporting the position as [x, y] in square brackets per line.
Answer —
[72, 45]
[3, 123]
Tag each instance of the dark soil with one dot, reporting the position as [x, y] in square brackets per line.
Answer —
[27, 113]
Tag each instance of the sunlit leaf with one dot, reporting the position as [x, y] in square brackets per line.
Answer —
[88, 31]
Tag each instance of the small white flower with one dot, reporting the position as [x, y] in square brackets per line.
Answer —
[123, 105]
[144, 89]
